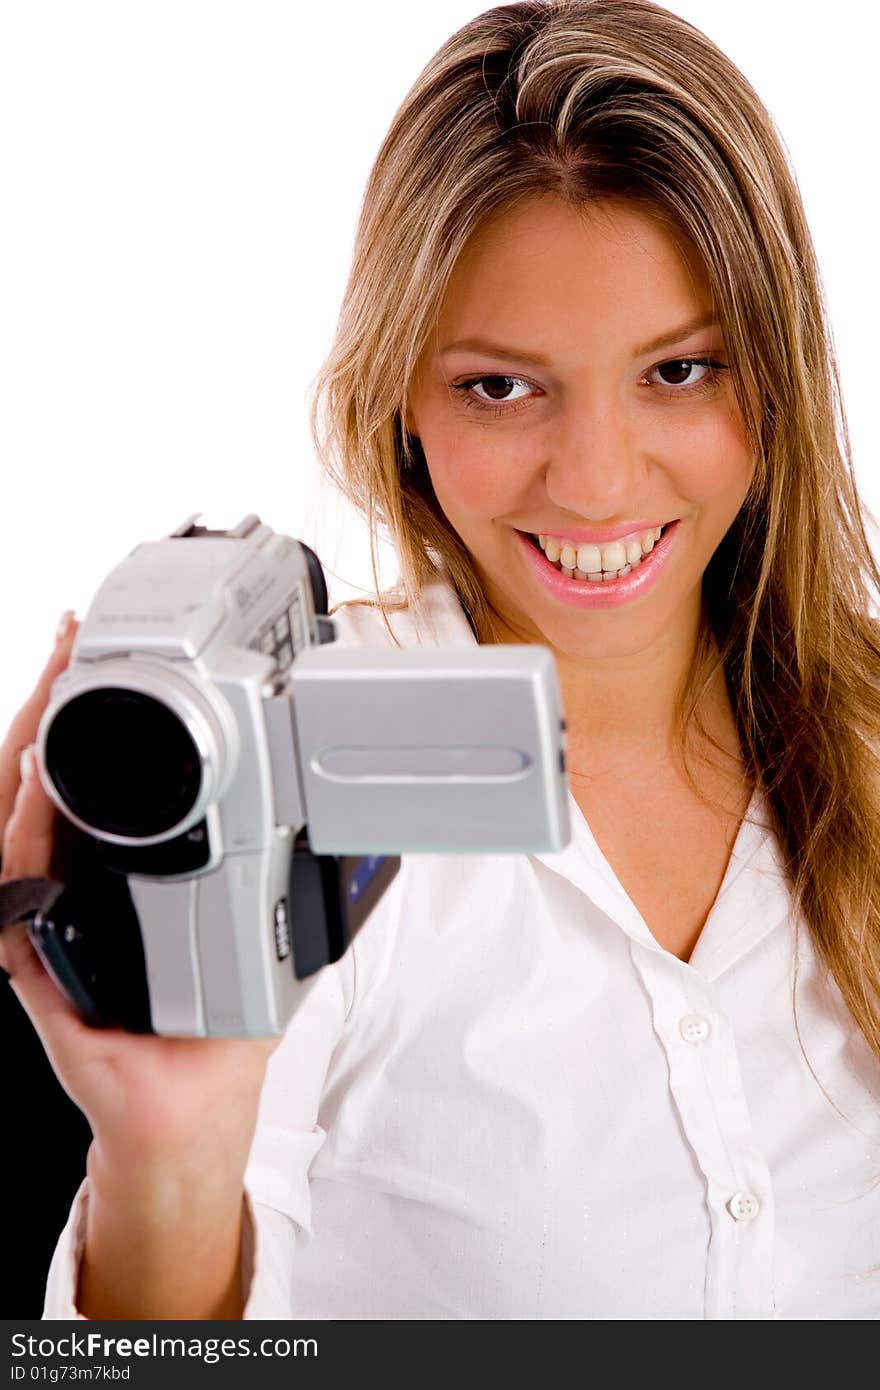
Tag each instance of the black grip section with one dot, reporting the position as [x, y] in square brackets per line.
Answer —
[330, 897]
[316, 578]
[90, 942]
[316, 923]
[22, 898]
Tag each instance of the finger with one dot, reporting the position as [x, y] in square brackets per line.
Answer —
[58, 1025]
[29, 834]
[27, 849]
[23, 729]
[27, 853]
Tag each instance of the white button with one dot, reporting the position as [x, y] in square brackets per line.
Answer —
[743, 1206]
[694, 1028]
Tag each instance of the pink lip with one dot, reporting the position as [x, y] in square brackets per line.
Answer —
[610, 593]
[591, 535]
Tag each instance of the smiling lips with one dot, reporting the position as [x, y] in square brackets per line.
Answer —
[600, 589]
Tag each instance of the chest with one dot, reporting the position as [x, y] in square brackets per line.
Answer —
[669, 850]
[517, 1128]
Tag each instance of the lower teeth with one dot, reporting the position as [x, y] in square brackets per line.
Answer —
[602, 578]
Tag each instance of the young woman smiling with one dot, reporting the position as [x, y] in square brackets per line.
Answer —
[579, 434]
[583, 378]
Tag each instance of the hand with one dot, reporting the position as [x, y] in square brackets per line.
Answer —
[143, 1095]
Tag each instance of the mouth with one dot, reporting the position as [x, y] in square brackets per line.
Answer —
[596, 558]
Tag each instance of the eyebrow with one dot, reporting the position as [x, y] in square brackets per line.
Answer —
[498, 350]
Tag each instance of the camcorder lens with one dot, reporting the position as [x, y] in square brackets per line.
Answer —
[123, 762]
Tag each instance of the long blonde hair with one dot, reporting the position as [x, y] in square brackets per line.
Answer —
[591, 99]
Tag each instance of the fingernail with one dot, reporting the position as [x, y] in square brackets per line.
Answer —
[27, 763]
[64, 625]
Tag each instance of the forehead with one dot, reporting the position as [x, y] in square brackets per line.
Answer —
[544, 264]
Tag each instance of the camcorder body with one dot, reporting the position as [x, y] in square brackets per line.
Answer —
[236, 790]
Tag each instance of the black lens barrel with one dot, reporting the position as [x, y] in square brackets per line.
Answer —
[123, 762]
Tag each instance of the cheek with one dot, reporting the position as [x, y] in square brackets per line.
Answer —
[470, 473]
[712, 460]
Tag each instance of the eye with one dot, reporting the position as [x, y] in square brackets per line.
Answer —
[682, 367]
[498, 400]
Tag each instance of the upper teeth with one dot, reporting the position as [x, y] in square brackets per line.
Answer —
[628, 550]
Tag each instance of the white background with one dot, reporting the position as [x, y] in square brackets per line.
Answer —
[180, 181]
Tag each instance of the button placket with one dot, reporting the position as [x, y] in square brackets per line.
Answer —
[707, 1087]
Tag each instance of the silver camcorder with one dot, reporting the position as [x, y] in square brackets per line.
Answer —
[237, 789]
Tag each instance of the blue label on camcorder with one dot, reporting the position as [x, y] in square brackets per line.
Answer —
[364, 874]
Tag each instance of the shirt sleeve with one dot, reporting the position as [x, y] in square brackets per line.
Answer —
[64, 1269]
[287, 1137]
[268, 1242]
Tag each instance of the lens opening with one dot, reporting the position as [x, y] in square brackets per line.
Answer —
[123, 762]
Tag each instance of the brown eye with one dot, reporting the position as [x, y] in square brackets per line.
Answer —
[676, 375]
[493, 393]
[678, 370]
[497, 388]
[499, 384]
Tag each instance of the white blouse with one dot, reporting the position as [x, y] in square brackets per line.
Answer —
[507, 1101]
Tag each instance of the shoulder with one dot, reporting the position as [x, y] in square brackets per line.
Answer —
[437, 619]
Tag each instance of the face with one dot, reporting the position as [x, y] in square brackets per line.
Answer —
[587, 407]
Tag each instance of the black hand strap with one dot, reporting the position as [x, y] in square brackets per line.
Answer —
[22, 898]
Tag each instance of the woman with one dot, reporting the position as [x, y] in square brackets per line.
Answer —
[639, 1078]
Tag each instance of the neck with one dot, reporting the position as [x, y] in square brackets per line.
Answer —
[622, 711]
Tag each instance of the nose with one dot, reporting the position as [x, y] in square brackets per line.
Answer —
[595, 469]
